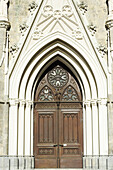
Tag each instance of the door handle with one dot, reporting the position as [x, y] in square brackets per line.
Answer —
[61, 145]
[55, 145]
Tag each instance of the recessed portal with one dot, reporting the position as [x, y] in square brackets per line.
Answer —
[58, 136]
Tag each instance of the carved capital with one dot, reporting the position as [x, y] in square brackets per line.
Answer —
[22, 103]
[14, 102]
[5, 24]
[102, 101]
[29, 104]
[93, 102]
[87, 103]
[109, 24]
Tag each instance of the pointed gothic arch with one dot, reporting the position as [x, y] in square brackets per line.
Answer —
[28, 69]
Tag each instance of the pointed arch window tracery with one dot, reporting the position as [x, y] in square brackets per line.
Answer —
[57, 85]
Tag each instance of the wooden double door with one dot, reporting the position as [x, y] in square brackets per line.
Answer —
[58, 125]
[58, 136]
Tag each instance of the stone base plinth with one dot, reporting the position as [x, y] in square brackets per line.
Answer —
[98, 162]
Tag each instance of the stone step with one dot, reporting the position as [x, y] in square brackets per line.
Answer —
[63, 169]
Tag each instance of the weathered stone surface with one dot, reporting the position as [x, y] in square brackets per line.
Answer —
[19, 13]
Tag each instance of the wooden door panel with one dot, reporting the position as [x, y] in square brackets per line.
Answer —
[71, 163]
[46, 127]
[45, 139]
[45, 163]
[70, 127]
[70, 138]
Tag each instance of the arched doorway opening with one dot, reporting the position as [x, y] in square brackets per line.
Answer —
[58, 125]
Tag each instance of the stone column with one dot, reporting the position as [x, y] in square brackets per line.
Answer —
[4, 27]
[109, 27]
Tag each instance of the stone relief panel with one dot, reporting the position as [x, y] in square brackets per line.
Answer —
[59, 18]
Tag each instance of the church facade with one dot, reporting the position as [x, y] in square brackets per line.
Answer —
[56, 84]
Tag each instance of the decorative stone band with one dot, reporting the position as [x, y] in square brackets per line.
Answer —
[5, 24]
[21, 103]
[89, 103]
[95, 102]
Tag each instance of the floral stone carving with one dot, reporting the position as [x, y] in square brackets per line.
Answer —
[14, 49]
[83, 7]
[92, 29]
[23, 28]
[32, 7]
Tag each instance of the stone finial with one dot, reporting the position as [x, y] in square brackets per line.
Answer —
[83, 7]
[23, 28]
[14, 49]
[102, 50]
[92, 29]
[32, 7]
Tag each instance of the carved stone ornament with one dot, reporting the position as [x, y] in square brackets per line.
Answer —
[54, 20]
[37, 34]
[32, 7]
[77, 34]
[83, 7]
[23, 28]
[102, 50]
[92, 29]
[47, 10]
[14, 49]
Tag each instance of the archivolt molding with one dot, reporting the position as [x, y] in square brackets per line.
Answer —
[61, 50]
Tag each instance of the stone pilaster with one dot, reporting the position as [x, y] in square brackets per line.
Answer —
[4, 27]
[109, 27]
